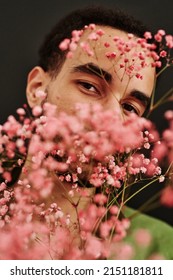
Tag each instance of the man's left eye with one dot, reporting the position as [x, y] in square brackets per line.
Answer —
[129, 108]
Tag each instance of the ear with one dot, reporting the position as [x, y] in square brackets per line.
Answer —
[37, 80]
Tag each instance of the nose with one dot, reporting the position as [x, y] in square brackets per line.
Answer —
[113, 103]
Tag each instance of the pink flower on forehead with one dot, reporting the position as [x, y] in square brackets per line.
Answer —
[110, 54]
[106, 44]
[86, 47]
[92, 26]
[72, 46]
[64, 45]
[76, 34]
[130, 36]
[93, 36]
[100, 32]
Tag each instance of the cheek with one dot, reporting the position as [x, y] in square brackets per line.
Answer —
[58, 91]
[64, 96]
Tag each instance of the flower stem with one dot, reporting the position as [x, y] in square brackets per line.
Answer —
[141, 189]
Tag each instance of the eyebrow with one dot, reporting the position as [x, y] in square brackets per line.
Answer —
[141, 96]
[93, 69]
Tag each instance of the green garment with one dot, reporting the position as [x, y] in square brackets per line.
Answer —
[162, 235]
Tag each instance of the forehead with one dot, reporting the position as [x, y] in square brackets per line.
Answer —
[115, 51]
[96, 47]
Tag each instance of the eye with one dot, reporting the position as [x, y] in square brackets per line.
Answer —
[129, 108]
[88, 87]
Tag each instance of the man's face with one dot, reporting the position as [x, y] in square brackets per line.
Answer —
[97, 79]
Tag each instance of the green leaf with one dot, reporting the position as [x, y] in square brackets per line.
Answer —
[162, 235]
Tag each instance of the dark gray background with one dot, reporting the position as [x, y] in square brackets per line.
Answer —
[23, 25]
